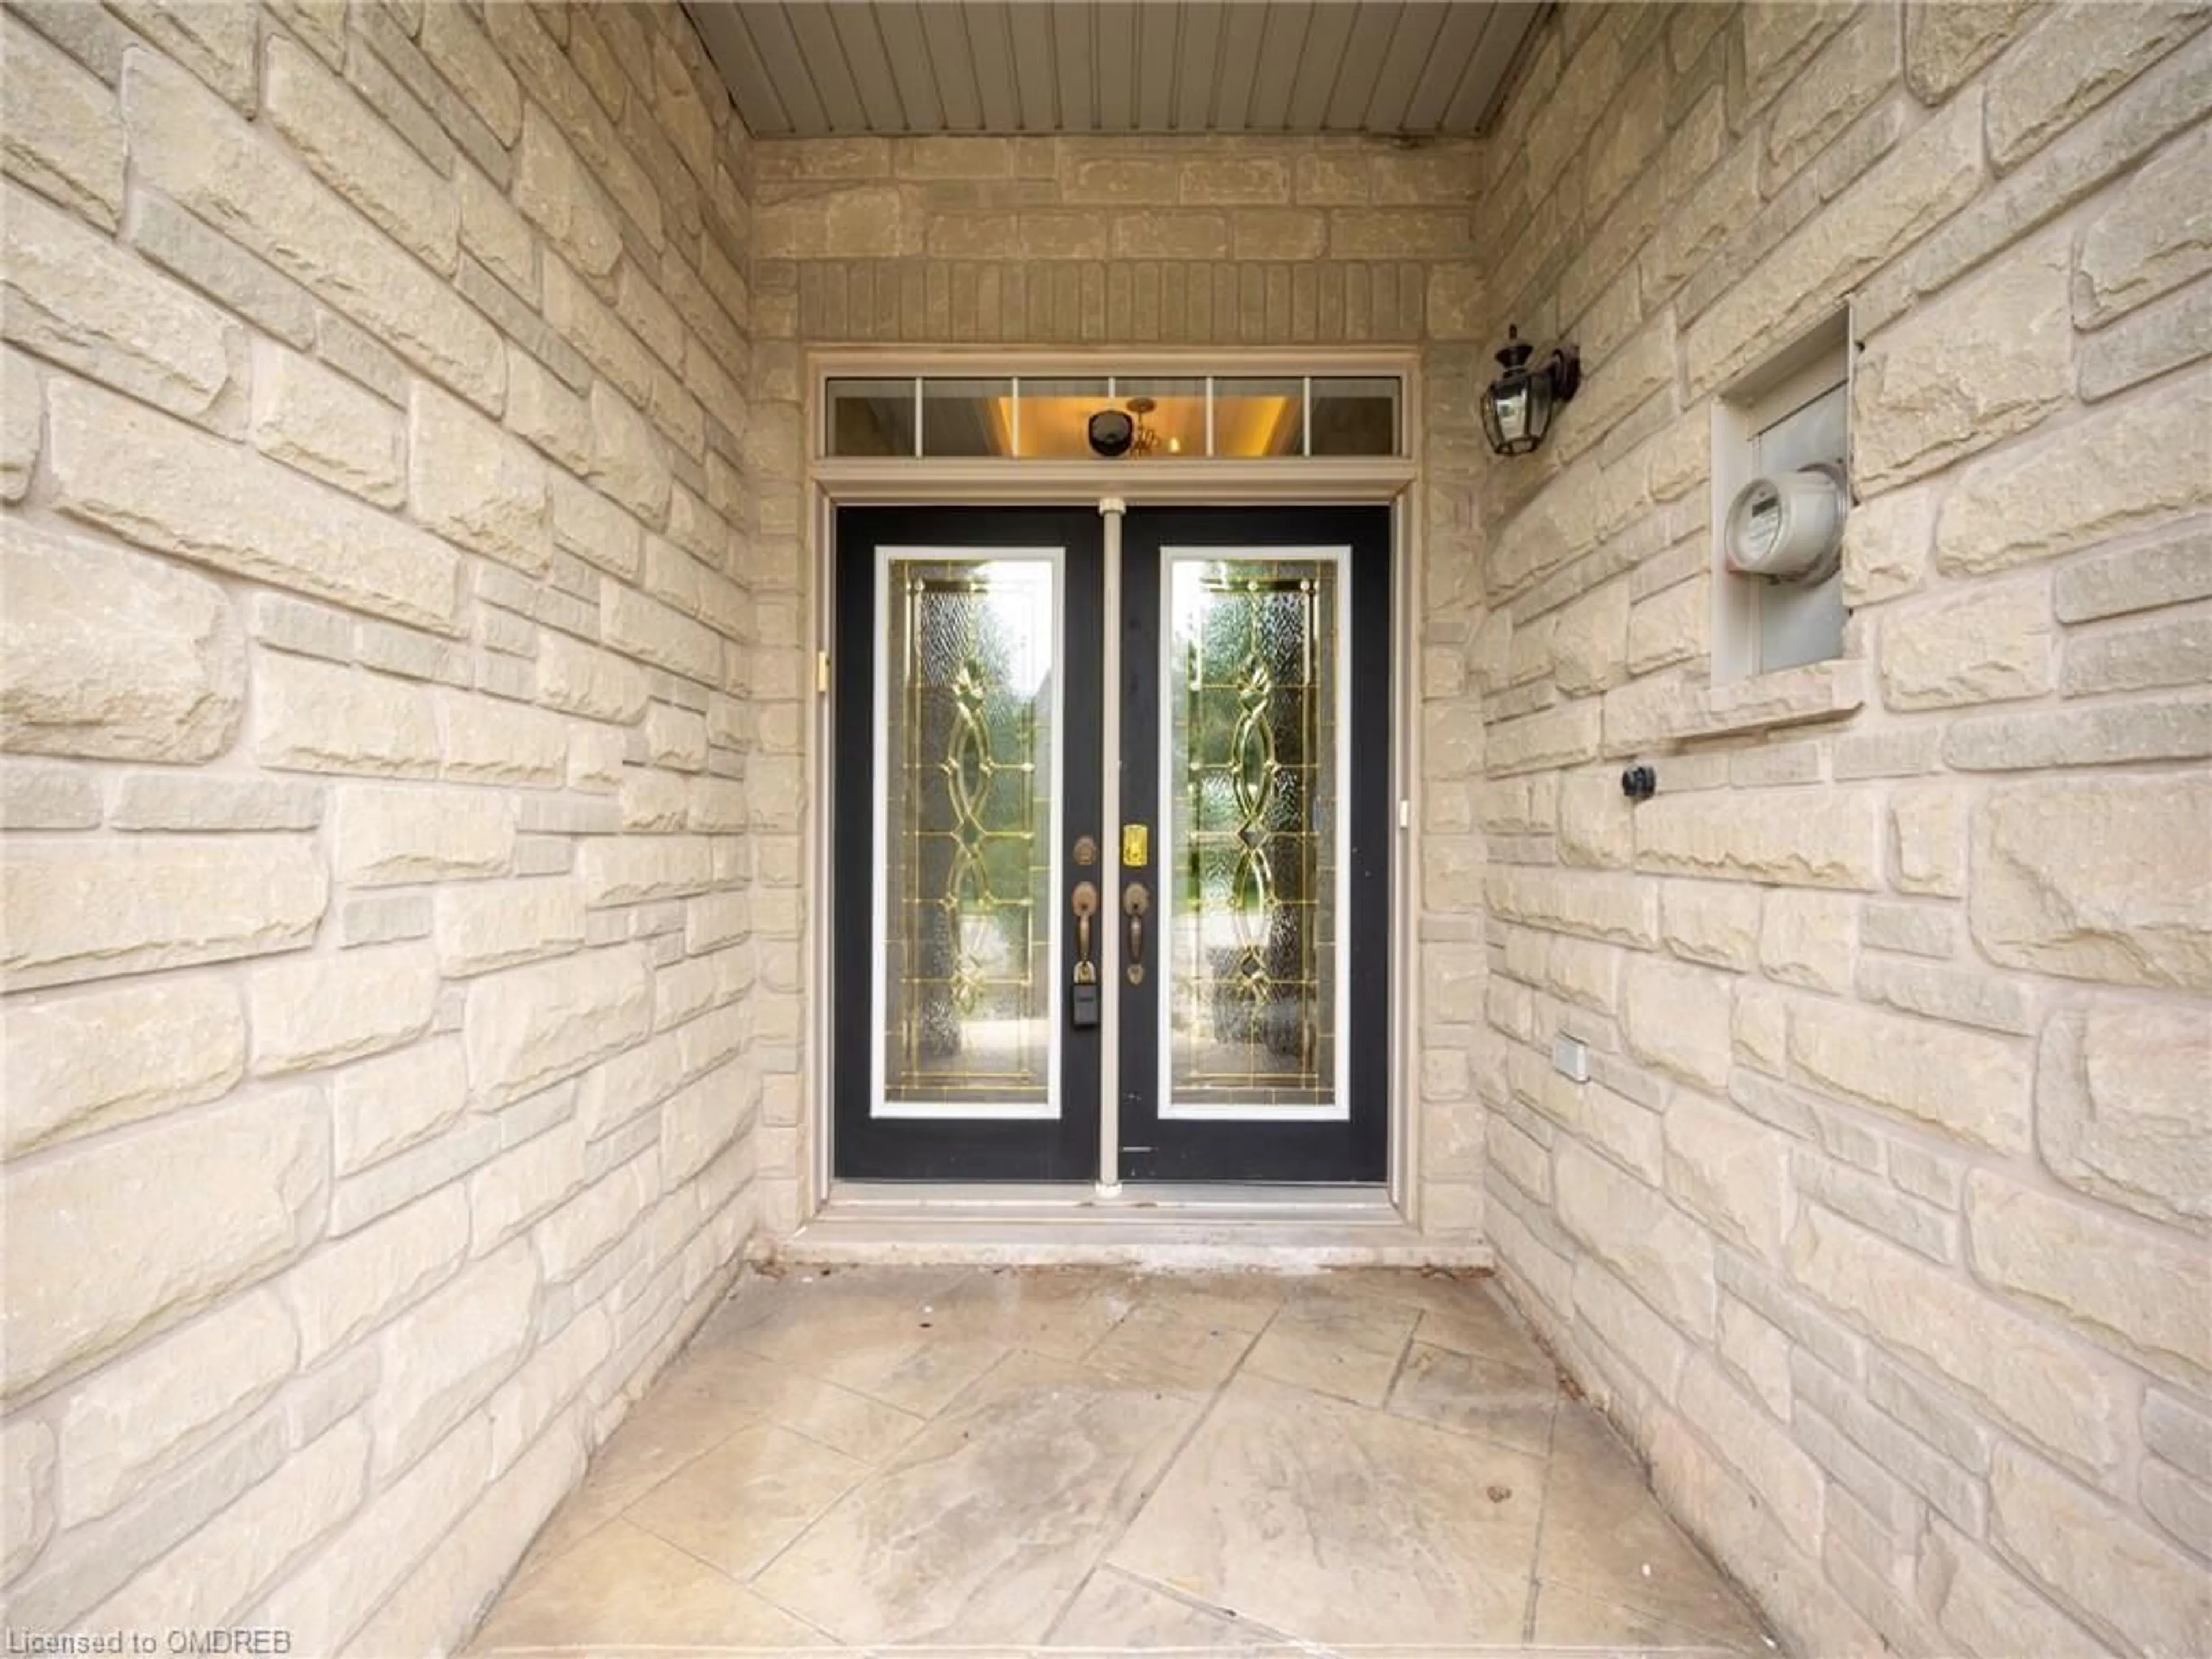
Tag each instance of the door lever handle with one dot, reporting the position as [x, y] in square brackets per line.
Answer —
[1083, 995]
[1136, 900]
[1084, 901]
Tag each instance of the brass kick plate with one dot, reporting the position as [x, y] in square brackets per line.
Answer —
[1136, 846]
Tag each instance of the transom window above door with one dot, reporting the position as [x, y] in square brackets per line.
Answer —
[1172, 416]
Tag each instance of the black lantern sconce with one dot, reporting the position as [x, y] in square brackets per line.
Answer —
[1517, 410]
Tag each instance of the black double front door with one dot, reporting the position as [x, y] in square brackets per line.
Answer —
[1239, 905]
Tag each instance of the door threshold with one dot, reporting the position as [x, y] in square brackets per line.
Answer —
[1164, 1225]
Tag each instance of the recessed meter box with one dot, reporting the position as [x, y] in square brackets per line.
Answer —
[1781, 443]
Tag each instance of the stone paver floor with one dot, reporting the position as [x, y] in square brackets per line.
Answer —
[980, 1459]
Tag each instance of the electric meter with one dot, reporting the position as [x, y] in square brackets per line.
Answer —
[1789, 527]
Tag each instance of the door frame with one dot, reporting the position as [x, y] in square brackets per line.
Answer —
[1114, 487]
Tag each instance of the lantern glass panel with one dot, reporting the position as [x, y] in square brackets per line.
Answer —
[1539, 406]
[1512, 405]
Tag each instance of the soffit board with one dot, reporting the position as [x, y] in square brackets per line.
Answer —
[820, 69]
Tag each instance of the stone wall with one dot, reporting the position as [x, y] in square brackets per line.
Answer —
[378, 602]
[1084, 243]
[1882, 1223]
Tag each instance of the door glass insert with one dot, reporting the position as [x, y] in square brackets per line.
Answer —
[968, 721]
[1254, 778]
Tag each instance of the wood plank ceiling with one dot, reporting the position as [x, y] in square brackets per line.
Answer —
[831, 68]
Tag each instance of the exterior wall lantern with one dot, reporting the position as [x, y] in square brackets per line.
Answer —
[1517, 410]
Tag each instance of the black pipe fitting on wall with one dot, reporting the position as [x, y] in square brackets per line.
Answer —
[1639, 783]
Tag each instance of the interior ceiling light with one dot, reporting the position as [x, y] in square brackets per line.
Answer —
[1517, 408]
[1147, 440]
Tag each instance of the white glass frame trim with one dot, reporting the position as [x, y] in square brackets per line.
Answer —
[1339, 1108]
[1056, 558]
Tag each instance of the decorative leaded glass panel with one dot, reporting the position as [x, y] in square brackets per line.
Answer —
[1251, 693]
[966, 990]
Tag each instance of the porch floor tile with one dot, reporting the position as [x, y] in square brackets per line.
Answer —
[1001, 1461]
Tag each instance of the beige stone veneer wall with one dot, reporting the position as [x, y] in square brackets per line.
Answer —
[379, 593]
[1084, 243]
[1881, 1226]
[404, 702]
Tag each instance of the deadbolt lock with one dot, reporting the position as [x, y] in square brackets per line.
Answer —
[1136, 846]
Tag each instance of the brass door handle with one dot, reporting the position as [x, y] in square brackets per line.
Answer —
[1136, 900]
[1082, 1012]
[1084, 901]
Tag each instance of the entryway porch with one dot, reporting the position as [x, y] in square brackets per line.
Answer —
[982, 1458]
